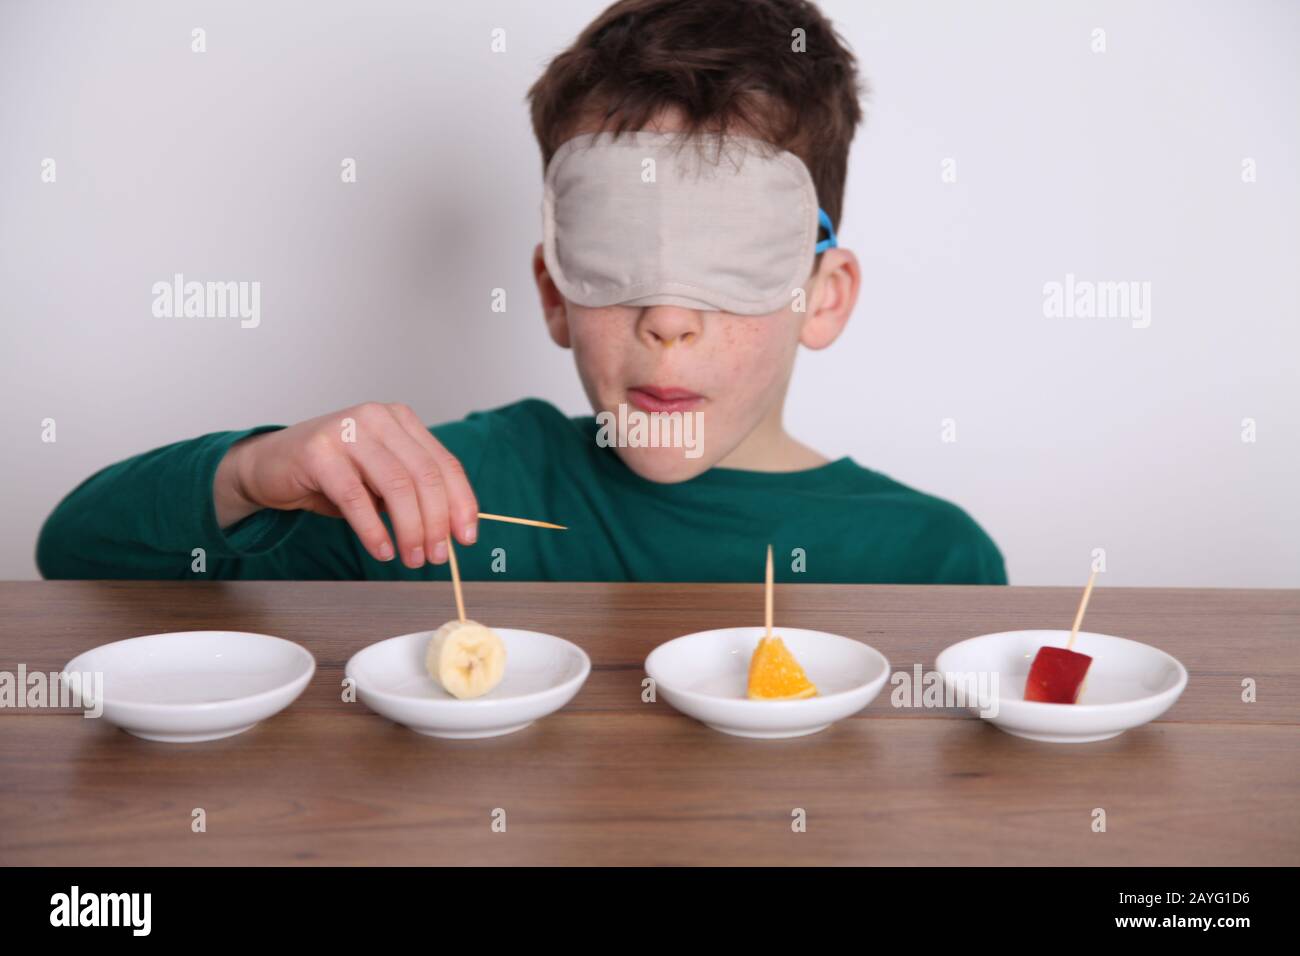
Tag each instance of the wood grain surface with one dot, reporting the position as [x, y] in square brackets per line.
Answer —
[613, 780]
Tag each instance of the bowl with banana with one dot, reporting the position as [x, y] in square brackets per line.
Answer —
[465, 680]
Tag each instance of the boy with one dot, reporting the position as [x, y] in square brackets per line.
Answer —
[695, 157]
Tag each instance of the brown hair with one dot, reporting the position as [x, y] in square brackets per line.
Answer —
[725, 65]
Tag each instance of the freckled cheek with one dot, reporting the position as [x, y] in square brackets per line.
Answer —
[746, 368]
[597, 351]
[757, 356]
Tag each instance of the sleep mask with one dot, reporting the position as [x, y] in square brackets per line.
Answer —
[706, 221]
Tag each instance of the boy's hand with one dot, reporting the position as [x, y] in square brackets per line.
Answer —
[394, 464]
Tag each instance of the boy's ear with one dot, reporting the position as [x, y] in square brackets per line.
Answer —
[831, 300]
[557, 321]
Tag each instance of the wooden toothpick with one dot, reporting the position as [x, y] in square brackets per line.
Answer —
[455, 580]
[767, 596]
[528, 521]
[1083, 606]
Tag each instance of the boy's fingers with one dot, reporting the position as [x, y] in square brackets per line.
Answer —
[343, 485]
[429, 489]
[462, 504]
[390, 480]
[461, 500]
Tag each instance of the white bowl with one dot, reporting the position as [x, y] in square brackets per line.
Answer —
[1127, 685]
[705, 676]
[195, 685]
[543, 672]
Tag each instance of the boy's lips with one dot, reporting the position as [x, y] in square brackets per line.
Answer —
[649, 398]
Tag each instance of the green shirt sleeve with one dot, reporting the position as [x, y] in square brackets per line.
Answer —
[144, 517]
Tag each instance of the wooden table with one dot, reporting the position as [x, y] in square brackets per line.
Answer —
[613, 780]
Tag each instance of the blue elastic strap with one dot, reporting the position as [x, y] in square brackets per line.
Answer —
[825, 222]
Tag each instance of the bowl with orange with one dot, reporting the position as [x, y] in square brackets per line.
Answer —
[749, 683]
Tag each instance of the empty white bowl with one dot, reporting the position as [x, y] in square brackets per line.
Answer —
[543, 673]
[705, 676]
[1127, 685]
[195, 685]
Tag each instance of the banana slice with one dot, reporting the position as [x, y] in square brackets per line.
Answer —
[466, 658]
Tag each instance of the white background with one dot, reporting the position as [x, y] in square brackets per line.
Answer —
[1072, 434]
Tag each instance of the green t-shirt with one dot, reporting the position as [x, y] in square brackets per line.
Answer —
[143, 518]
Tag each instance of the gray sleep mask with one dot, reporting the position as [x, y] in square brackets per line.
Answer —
[664, 219]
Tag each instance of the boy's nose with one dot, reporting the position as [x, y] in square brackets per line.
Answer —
[667, 325]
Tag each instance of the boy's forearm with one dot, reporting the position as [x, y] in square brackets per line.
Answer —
[152, 516]
[228, 499]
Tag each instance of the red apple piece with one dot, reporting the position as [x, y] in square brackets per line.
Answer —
[1056, 675]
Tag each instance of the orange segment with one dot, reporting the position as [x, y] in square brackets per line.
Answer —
[774, 674]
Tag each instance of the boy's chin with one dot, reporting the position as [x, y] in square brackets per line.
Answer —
[663, 465]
